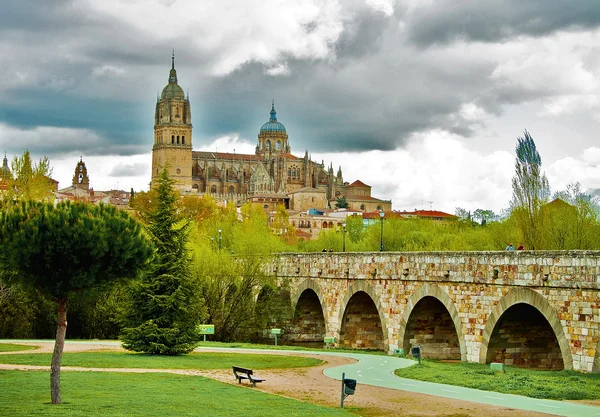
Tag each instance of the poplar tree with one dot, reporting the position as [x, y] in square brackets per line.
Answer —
[62, 250]
[165, 304]
[530, 191]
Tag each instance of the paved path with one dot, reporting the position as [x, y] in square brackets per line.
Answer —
[378, 370]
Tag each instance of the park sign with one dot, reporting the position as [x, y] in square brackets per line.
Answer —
[205, 328]
[276, 331]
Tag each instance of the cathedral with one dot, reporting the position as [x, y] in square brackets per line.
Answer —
[272, 175]
[271, 170]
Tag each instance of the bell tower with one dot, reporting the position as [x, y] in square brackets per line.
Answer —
[81, 179]
[173, 134]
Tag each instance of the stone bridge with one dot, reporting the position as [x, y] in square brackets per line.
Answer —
[524, 308]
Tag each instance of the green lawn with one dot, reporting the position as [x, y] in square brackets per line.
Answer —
[563, 385]
[204, 360]
[10, 347]
[147, 395]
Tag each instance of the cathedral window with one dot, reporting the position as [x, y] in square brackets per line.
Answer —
[231, 189]
[362, 207]
[278, 145]
[178, 139]
[289, 172]
[213, 189]
[173, 139]
[268, 145]
[183, 140]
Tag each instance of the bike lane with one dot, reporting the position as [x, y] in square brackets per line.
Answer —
[379, 371]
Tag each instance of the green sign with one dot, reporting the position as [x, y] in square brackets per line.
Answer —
[276, 331]
[329, 339]
[206, 328]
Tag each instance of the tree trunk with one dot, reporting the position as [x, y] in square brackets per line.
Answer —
[59, 344]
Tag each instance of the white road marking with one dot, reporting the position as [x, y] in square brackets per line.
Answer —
[449, 390]
[409, 385]
[493, 398]
[376, 379]
[549, 406]
[370, 367]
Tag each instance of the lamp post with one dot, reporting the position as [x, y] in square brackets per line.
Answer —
[381, 216]
[220, 238]
[344, 236]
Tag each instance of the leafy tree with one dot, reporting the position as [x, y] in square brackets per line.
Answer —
[530, 191]
[462, 214]
[341, 202]
[282, 227]
[354, 225]
[484, 216]
[571, 220]
[165, 306]
[59, 251]
[28, 180]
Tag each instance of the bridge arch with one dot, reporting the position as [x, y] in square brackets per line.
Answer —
[317, 318]
[533, 299]
[355, 289]
[436, 292]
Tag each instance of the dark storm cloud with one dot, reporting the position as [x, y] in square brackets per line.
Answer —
[97, 72]
[445, 21]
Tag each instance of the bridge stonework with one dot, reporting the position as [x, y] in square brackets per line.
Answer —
[533, 309]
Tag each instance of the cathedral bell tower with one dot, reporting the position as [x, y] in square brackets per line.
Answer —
[173, 134]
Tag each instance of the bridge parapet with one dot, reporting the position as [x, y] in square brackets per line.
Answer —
[562, 269]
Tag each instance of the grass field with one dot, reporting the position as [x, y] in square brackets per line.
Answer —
[9, 347]
[242, 345]
[205, 360]
[563, 385]
[148, 395]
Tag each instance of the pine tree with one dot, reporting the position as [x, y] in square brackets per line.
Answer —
[165, 306]
[62, 250]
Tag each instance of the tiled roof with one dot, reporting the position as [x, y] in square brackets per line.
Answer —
[225, 155]
[428, 213]
[358, 183]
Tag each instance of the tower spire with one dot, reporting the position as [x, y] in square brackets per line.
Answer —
[173, 59]
[273, 117]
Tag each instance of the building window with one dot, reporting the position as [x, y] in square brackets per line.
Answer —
[324, 225]
[178, 171]
[378, 208]
[289, 172]
[173, 139]
[266, 206]
[183, 140]
[178, 139]
[231, 189]
[362, 207]
[278, 145]
[213, 189]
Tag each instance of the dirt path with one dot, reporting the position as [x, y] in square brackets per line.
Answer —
[311, 385]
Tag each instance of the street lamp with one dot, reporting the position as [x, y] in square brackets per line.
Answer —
[220, 238]
[381, 216]
[344, 236]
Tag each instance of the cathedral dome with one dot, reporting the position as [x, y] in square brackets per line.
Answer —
[172, 91]
[273, 126]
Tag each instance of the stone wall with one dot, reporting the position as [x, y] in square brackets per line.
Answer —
[475, 288]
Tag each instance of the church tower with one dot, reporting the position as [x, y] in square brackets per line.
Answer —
[81, 179]
[273, 146]
[173, 134]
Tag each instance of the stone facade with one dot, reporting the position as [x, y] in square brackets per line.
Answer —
[531, 309]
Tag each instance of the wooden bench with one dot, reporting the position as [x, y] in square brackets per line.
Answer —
[245, 373]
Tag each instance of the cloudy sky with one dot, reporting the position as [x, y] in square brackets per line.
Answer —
[422, 99]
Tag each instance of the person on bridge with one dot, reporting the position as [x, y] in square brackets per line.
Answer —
[510, 247]
[521, 247]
